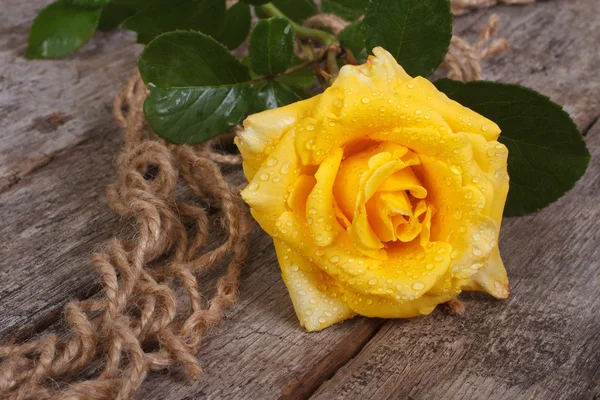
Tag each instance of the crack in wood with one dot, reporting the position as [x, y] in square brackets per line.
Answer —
[303, 387]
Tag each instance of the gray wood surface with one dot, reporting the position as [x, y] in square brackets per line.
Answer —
[57, 147]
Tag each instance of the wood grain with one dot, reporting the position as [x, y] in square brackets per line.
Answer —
[57, 147]
[50, 105]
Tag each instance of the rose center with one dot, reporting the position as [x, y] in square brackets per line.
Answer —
[379, 198]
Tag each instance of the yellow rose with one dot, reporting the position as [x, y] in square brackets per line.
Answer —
[383, 197]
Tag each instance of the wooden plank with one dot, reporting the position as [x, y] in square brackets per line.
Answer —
[259, 349]
[47, 106]
[543, 342]
[51, 222]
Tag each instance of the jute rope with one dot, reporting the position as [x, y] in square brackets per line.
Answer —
[144, 280]
[138, 323]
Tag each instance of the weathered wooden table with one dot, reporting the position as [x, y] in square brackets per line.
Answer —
[57, 147]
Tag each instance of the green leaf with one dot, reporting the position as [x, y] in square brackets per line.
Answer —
[237, 25]
[113, 15]
[145, 5]
[353, 38]
[195, 114]
[90, 3]
[299, 79]
[271, 46]
[180, 59]
[272, 94]
[60, 29]
[350, 10]
[197, 88]
[206, 16]
[546, 151]
[256, 2]
[416, 32]
[297, 10]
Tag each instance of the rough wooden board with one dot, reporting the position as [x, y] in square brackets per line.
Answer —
[541, 343]
[259, 348]
[553, 49]
[46, 106]
[51, 222]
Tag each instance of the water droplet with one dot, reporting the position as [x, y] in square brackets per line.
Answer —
[456, 150]
[271, 161]
[312, 211]
[369, 301]
[438, 258]
[372, 281]
[475, 179]
[337, 103]
[497, 285]
[253, 186]
[476, 236]
[477, 252]
[310, 127]
[491, 152]
[484, 127]
[458, 214]
[285, 168]
[429, 266]
[313, 301]
[322, 320]
[294, 267]
[276, 179]
[410, 86]
[264, 177]
[365, 100]
[418, 285]
[448, 181]
[334, 259]
[418, 111]
[308, 311]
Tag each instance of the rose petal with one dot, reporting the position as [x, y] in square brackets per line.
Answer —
[263, 131]
[315, 295]
[319, 206]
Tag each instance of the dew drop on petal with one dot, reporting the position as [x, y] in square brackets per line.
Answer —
[418, 285]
